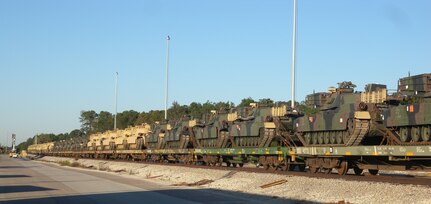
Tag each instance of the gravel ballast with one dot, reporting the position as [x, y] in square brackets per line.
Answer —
[296, 187]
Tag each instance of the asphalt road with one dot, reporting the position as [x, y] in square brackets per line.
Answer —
[25, 181]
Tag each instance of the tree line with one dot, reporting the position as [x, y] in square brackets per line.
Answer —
[93, 122]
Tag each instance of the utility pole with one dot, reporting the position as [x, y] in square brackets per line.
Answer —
[293, 54]
[13, 142]
[167, 71]
[116, 99]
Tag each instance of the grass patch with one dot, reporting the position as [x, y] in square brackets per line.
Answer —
[65, 163]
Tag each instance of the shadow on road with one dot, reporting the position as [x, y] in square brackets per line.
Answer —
[12, 167]
[22, 189]
[160, 196]
[13, 176]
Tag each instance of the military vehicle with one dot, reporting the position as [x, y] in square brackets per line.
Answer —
[255, 125]
[408, 112]
[334, 118]
[138, 139]
[181, 136]
[92, 140]
[41, 149]
[156, 138]
[215, 132]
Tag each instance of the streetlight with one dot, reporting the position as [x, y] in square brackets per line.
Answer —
[116, 96]
[167, 68]
[293, 54]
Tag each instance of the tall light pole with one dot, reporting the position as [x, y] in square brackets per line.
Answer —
[293, 54]
[167, 69]
[13, 142]
[116, 99]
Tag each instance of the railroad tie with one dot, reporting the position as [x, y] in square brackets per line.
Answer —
[275, 183]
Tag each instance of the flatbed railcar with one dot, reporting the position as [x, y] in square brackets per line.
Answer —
[317, 159]
[340, 129]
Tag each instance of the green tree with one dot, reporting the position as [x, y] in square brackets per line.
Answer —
[266, 101]
[126, 119]
[224, 105]
[177, 111]
[196, 110]
[88, 121]
[105, 121]
[246, 102]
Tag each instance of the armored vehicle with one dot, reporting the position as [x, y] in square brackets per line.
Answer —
[334, 118]
[180, 136]
[255, 126]
[92, 140]
[215, 132]
[76, 144]
[408, 114]
[138, 139]
[156, 138]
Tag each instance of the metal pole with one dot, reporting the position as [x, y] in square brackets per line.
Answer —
[167, 69]
[293, 54]
[116, 99]
[13, 142]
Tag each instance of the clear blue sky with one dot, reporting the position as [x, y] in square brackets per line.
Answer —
[59, 57]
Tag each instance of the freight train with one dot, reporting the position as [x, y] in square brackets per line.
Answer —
[340, 129]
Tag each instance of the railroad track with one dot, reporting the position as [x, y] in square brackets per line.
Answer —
[402, 179]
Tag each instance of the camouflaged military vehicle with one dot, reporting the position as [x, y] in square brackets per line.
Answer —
[408, 114]
[181, 136]
[335, 118]
[156, 138]
[254, 126]
[76, 144]
[215, 132]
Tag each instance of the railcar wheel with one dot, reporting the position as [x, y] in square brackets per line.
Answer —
[343, 168]
[313, 169]
[241, 165]
[357, 170]
[405, 134]
[416, 134]
[425, 133]
[327, 170]
[301, 167]
[220, 162]
[373, 171]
